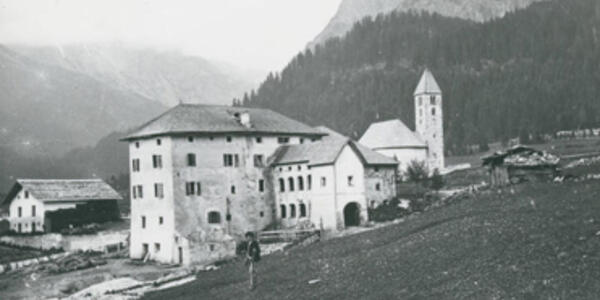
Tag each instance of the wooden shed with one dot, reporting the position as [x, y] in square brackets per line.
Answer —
[520, 164]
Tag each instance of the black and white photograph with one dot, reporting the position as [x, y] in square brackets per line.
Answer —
[299, 149]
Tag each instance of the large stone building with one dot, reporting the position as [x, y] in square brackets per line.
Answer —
[201, 176]
[394, 139]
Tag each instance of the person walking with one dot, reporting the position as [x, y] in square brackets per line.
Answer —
[252, 257]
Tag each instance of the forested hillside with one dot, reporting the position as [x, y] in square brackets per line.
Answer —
[533, 71]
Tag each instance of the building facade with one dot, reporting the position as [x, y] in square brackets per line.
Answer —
[31, 203]
[200, 179]
[330, 184]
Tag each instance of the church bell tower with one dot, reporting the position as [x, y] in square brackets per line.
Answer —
[429, 119]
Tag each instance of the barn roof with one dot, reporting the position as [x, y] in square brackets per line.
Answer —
[68, 190]
[199, 118]
[427, 84]
[327, 150]
[391, 134]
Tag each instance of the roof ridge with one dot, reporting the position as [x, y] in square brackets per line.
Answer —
[82, 180]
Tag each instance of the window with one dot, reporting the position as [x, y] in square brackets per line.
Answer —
[433, 111]
[26, 194]
[211, 247]
[233, 189]
[156, 247]
[190, 139]
[229, 139]
[283, 140]
[160, 220]
[137, 144]
[19, 226]
[350, 181]
[211, 138]
[281, 185]
[20, 212]
[193, 188]
[292, 210]
[420, 112]
[302, 210]
[143, 221]
[309, 182]
[301, 141]
[157, 161]
[323, 181]
[214, 217]
[300, 183]
[432, 100]
[378, 186]
[191, 160]
[33, 210]
[258, 139]
[137, 192]
[283, 213]
[159, 191]
[135, 165]
[299, 168]
[259, 160]
[231, 160]
[420, 101]
[158, 142]
[261, 185]
[262, 214]
[291, 184]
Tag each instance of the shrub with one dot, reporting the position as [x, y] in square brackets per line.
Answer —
[387, 211]
[417, 171]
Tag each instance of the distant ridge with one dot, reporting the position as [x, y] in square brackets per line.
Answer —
[351, 11]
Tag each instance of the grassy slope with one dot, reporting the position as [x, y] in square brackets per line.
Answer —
[487, 246]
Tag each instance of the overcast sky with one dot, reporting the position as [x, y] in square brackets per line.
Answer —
[258, 34]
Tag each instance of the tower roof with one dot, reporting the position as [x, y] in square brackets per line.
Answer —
[427, 84]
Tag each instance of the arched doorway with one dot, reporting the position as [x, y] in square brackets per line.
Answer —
[352, 214]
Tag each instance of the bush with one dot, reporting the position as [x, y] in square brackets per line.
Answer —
[417, 171]
[387, 211]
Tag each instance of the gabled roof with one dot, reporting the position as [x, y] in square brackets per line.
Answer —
[69, 190]
[198, 118]
[327, 150]
[427, 84]
[391, 134]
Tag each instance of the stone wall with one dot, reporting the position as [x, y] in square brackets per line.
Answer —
[385, 177]
[95, 242]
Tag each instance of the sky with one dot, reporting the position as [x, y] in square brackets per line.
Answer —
[255, 34]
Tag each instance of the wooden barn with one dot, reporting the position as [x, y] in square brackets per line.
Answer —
[520, 164]
[50, 205]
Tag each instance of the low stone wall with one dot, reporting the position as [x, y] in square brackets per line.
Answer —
[45, 241]
[95, 242]
[29, 262]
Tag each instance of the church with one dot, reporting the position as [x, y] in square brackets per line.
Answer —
[394, 139]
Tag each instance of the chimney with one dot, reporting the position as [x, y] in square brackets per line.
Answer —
[245, 119]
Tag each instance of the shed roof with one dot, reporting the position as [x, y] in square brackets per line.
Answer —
[327, 150]
[67, 190]
[427, 84]
[391, 134]
[521, 156]
[199, 118]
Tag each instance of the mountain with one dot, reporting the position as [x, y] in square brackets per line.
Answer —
[534, 71]
[165, 76]
[351, 11]
[48, 110]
